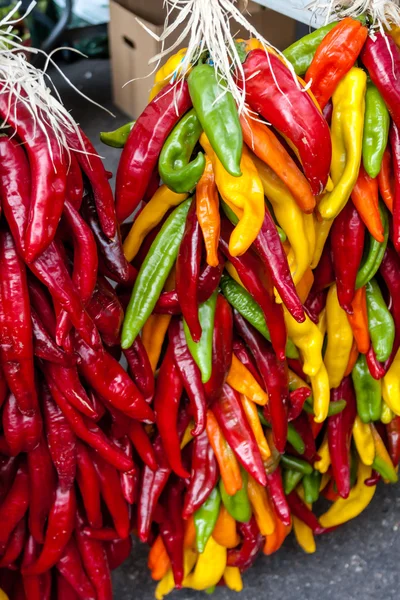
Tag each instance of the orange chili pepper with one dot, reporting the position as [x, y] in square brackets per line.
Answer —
[228, 465]
[261, 506]
[359, 321]
[352, 359]
[190, 533]
[305, 284]
[207, 205]
[153, 335]
[255, 425]
[274, 541]
[386, 180]
[158, 561]
[225, 533]
[365, 197]
[268, 148]
[244, 382]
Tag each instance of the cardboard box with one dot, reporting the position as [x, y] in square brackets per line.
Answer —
[132, 47]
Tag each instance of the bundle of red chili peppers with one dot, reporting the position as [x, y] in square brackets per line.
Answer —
[255, 304]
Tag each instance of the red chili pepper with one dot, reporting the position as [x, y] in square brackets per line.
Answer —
[232, 419]
[89, 432]
[297, 399]
[44, 346]
[64, 590]
[89, 486]
[14, 547]
[256, 280]
[3, 388]
[204, 475]
[393, 435]
[302, 512]
[22, 432]
[68, 383]
[106, 534]
[270, 372]
[95, 561]
[142, 444]
[395, 146]
[61, 440]
[146, 139]
[277, 495]
[129, 479]
[188, 272]
[189, 373]
[340, 428]
[347, 237]
[168, 394]
[36, 587]
[110, 248]
[315, 304]
[140, 368]
[303, 428]
[41, 303]
[107, 377]
[74, 188]
[242, 353]
[172, 529]
[59, 530]
[42, 486]
[118, 551]
[106, 311]
[16, 345]
[14, 505]
[222, 349]
[71, 568]
[112, 495]
[252, 544]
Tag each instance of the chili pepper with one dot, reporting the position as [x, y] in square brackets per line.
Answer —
[34, 586]
[118, 137]
[228, 465]
[334, 58]
[204, 475]
[302, 427]
[59, 530]
[315, 304]
[272, 91]
[42, 484]
[22, 432]
[89, 486]
[176, 170]
[311, 485]
[393, 435]
[347, 131]
[252, 543]
[94, 558]
[68, 383]
[352, 359]
[395, 146]
[268, 148]
[202, 351]
[153, 336]
[224, 531]
[374, 254]
[364, 441]
[275, 540]
[301, 53]
[347, 242]
[153, 273]
[254, 421]
[205, 519]
[218, 117]
[167, 583]
[303, 513]
[44, 346]
[142, 444]
[293, 463]
[74, 184]
[209, 568]
[382, 461]
[262, 509]
[15, 546]
[207, 208]
[359, 320]
[129, 479]
[118, 551]
[16, 347]
[385, 180]
[380, 322]
[340, 339]
[140, 368]
[272, 377]
[238, 505]
[169, 70]
[368, 392]
[376, 131]
[14, 505]
[291, 479]
[391, 386]
[142, 149]
[158, 560]
[106, 311]
[244, 382]
[70, 567]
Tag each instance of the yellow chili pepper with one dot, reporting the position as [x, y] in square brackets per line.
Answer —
[340, 339]
[391, 386]
[308, 340]
[225, 533]
[360, 496]
[322, 465]
[244, 382]
[167, 583]
[261, 506]
[304, 534]
[254, 421]
[150, 217]
[289, 216]
[321, 394]
[322, 229]
[233, 579]
[153, 335]
[311, 234]
[209, 568]
[245, 193]
[347, 135]
[387, 415]
[322, 323]
[364, 441]
[165, 73]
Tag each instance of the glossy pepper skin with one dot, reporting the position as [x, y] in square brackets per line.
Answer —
[218, 116]
[301, 53]
[204, 475]
[205, 519]
[172, 529]
[252, 543]
[385, 179]
[145, 141]
[368, 392]
[272, 92]
[176, 170]
[238, 505]
[380, 322]
[365, 197]
[334, 57]
[202, 350]
[373, 253]
[376, 130]
[395, 146]
[347, 243]
[222, 349]
[207, 206]
[118, 137]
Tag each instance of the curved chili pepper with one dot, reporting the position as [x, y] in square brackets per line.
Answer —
[70, 566]
[205, 519]
[42, 485]
[68, 383]
[44, 346]
[142, 444]
[374, 253]
[381, 324]
[15, 546]
[202, 351]
[252, 544]
[190, 375]
[129, 479]
[386, 180]
[368, 391]
[142, 149]
[140, 368]
[106, 311]
[302, 512]
[376, 131]
[118, 137]
[315, 304]
[238, 505]
[89, 485]
[221, 349]
[393, 435]
[172, 530]
[272, 91]
[118, 551]
[207, 208]
[301, 53]
[22, 432]
[204, 475]
[14, 505]
[365, 197]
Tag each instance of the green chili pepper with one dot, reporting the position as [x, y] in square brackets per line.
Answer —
[202, 350]
[176, 170]
[291, 480]
[238, 506]
[295, 439]
[153, 273]
[376, 130]
[334, 407]
[368, 392]
[301, 53]
[311, 485]
[218, 116]
[205, 519]
[385, 469]
[117, 138]
[374, 253]
[380, 322]
[296, 464]
[245, 304]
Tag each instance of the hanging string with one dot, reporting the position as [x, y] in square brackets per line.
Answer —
[382, 13]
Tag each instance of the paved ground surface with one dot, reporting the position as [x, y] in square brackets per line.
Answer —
[360, 561]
